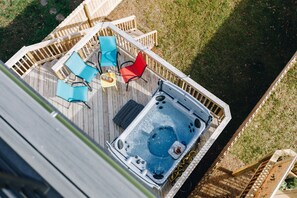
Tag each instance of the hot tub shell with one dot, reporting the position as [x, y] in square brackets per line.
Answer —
[187, 105]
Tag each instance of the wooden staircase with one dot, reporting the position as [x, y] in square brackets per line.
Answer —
[270, 173]
[254, 178]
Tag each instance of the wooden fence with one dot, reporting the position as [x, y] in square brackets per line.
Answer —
[131, 47]
[46, 51]
[86, 15]
[27, 57]
[128, 45]
[158, 65]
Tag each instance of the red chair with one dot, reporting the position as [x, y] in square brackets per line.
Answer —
[133, 71]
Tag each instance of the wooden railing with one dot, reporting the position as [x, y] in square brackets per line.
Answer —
[86, 15]
[158, 65]
[149, 39]
[169, 72]
[27, 57]
[129, 46]
[126, 24]
[162, 68]
[39, 53]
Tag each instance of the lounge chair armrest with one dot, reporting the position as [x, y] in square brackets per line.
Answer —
[99, 66]
[126, 63]
[133, 78]
[91, 63]
[75, 83]
[99, 56]
[73, 100]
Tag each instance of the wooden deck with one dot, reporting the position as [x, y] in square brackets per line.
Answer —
[97, 121]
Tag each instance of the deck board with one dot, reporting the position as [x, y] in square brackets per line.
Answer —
[97, 121]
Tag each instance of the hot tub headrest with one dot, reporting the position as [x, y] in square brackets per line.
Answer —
[186, 100]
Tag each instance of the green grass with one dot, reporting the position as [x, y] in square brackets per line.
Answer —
[275, 125]
[27, 22]
[233, 48]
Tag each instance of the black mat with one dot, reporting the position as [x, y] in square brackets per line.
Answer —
[127, 114]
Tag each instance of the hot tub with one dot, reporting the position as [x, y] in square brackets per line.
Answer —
[165, 130]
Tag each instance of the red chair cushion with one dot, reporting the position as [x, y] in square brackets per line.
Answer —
[134, 70]
[128, 73]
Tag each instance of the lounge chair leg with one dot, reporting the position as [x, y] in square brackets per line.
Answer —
[119, 73]
[144, 80]
[88, 85]
[100, 70]
[87, 105]
[68, 105]
[118, 63]
[127, 86]
[74, 83]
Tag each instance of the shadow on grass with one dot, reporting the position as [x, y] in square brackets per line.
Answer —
[32, 25]
[241, 61]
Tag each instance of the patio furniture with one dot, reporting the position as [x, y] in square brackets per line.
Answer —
[108, 54]
[134, 70]
[81, 69]
[72, 94]
[108, 79]
[127, 114]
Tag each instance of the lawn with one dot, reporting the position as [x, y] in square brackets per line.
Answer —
[275, 125]
[26, 22]
[234, 48]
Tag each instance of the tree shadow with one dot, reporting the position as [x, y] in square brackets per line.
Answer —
[31, 25]
[241, 61]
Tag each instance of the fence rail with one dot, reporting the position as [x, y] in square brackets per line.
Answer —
[27, 57]
[165, 70]
[126, 24]
[128, 45]
[89, 43]
[149, 39]
[46, 51]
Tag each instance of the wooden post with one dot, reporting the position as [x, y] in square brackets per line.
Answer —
[30, 55]
[87, 13]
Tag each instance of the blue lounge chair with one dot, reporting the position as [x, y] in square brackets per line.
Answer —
[72, 94]
[108, 54]
[81, 69]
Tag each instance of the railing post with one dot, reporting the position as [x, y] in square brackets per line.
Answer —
[87, 13]
[30, 55]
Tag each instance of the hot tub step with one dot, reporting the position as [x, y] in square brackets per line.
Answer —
[127, 114]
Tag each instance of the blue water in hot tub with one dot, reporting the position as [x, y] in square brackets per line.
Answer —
[159, 129]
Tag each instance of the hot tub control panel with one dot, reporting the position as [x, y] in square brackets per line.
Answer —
[138, 162]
